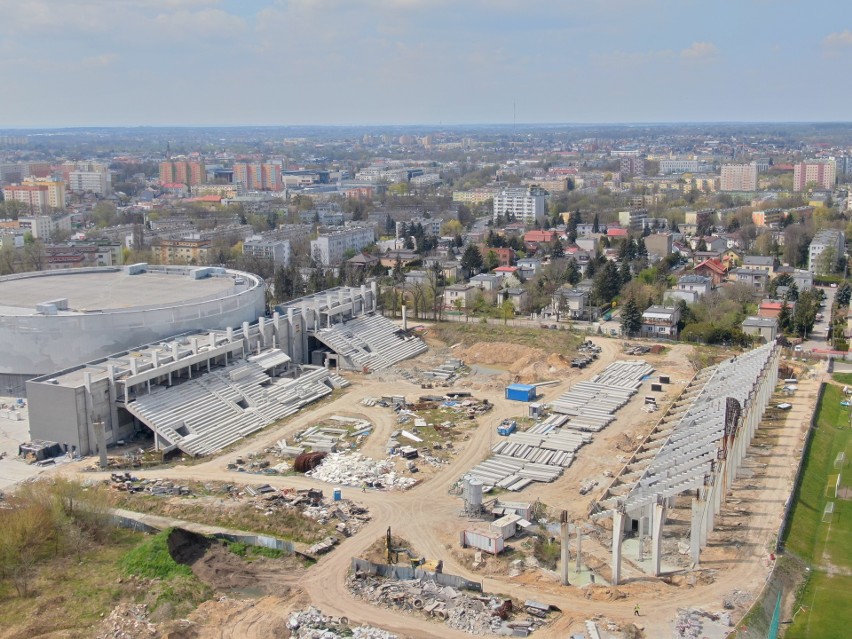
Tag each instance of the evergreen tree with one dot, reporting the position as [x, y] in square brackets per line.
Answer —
[572, 273]
[624, 272]
[471, 260]
[607, 283]
[631, 318]
[844, 293]
[785, 318]
[556, 248]
[641, 249]
[596, 225]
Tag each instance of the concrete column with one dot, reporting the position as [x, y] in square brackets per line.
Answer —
[261, 330]
[175, 353]
[642, 532]
[363, 300]
[375, 294]
[659, 518]
[193, 341]
[134, 365]
[246, 340]
[579, 544]
[211, 339]
[564, 551]
[404, 317]
[617, 537]
[695, 530]
[155, 358]
[230, 334]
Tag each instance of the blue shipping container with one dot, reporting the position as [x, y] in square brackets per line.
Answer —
[507, 427]
[520, 392]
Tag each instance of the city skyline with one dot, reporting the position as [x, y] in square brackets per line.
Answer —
[396, 62]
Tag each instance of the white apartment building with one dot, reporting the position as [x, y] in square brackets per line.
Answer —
[678, 166]
[739, 177]
[634, 219]
[823, 240]
[276, 250]
[330, 248]
[525, 205]
[97, 182]
[431, 225]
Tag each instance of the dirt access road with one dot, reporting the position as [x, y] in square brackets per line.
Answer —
[427, 516]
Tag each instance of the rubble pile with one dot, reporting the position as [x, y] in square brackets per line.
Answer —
[477, 614]
[312, 624]
[127, 621]
[310, 503]
[353, 469]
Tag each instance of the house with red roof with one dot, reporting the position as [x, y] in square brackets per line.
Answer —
[614, 231]
[505, 271]
[714, 269]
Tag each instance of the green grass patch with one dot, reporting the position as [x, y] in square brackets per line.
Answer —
[249, 552]
[69, 597]
[808, 537]
[151, 559]
[842, 378]
[824, 608]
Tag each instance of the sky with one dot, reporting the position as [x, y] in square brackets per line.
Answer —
[370, 62]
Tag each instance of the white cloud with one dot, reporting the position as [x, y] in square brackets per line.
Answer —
[838, 39]
[699, 51]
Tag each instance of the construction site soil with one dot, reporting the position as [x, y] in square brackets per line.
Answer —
[428, 515]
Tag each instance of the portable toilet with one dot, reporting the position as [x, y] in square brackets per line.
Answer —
[520, 392]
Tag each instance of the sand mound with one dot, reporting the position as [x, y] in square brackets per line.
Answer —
[214, 564]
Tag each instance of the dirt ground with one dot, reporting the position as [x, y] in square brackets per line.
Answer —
[429, 517]
[214, 564]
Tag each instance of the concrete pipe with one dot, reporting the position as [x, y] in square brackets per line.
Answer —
[417, 603]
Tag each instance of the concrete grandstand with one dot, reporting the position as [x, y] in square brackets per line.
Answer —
[201, 391]
[51, 320]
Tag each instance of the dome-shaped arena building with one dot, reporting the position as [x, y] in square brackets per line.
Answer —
[52, 320]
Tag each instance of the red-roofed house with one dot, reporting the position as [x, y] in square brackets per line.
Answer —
[772, 308]
[505, 256]
[714, 269]
[532, 239]
[505, 271]
[616, 232]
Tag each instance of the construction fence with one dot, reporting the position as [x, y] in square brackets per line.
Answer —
[406, 573]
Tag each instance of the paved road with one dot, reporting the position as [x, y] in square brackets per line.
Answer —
[816, 340]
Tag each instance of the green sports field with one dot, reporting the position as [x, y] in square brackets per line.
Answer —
[824, 607]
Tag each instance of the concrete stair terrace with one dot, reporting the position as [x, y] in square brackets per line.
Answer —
[370, 342]
[208, 413]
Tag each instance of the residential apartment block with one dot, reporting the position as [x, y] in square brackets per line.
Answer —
[38, 194]
[330, 248]
[259, 176]
[826, 239]
[822, 173]
[183, 172]
[524, 205]
[278, 251]
[739, 177]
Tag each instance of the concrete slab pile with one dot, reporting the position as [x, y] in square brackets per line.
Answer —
[591, 405]
[353, 469]
[538, 454]
[312, 624]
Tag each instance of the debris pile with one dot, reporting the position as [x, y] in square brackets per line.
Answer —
[353, 469]
[312, 624]
[127, 621]
[477, 614]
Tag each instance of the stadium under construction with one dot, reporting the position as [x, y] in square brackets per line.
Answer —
[202, 390]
